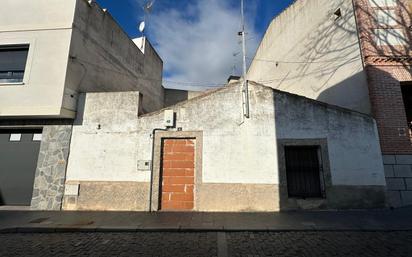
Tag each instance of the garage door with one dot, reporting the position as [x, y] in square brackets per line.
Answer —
[19, 150]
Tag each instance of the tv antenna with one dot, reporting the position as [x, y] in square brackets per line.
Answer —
[147, 9]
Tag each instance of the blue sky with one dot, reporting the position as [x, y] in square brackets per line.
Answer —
[197, 38]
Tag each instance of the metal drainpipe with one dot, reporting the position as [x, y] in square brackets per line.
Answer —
[355, 15]
[245, 90]
[151, 166]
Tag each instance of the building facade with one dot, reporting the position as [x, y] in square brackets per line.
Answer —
[82, 127]
[385, 40]
[351, 53]
[200, 155]
[50, 53]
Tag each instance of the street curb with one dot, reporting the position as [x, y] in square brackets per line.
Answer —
[28, 230]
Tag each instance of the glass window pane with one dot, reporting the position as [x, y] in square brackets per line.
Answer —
[390, 37]
[382, 3]
[386, 17]
[13, 63]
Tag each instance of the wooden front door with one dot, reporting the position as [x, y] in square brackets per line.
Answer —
[178, 174]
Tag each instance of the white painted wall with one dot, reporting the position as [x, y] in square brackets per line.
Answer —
[353, 144]
[108, 153]
[307, 51]
[46, 26]
[233, 152]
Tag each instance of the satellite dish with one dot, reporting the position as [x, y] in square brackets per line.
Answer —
[142, 26]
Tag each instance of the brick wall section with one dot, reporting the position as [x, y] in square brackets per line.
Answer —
[178, 174]
[367, 23]
[387, 67]
[398, 173]
[388, 107]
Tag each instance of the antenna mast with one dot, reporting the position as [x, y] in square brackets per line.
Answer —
[245, 90]
[147, 8]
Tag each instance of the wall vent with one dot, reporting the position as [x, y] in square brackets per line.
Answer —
[338, 14]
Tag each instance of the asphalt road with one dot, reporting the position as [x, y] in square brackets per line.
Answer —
[199, 244]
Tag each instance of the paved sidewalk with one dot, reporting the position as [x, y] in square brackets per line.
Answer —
[373, 220]
[209, 244]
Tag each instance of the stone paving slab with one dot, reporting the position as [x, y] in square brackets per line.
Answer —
[209, 244]
[365, 244]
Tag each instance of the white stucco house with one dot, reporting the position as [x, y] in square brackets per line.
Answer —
[106, 141]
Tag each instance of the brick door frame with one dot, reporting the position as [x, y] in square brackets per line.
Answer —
[156, 176]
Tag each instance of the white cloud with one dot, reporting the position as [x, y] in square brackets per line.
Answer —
[197, 43]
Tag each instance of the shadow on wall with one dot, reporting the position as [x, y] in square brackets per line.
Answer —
[313, 146]
[352, 88]
[324, 57]
[328, 48]
[370, 22]
[174, 96]
[388, 108]
[291, 163]
[1, 199]
[81, 103]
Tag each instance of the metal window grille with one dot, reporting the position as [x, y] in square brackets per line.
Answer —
[303, 171]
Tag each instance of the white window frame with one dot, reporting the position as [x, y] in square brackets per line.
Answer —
[386, 17]
[383, 3]
[382, 40]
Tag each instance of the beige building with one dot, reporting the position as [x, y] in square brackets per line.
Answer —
[64, 48]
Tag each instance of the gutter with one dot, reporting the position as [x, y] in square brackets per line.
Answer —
[153, 135]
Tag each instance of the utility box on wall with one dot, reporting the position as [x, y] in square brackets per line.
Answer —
[169, 118]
